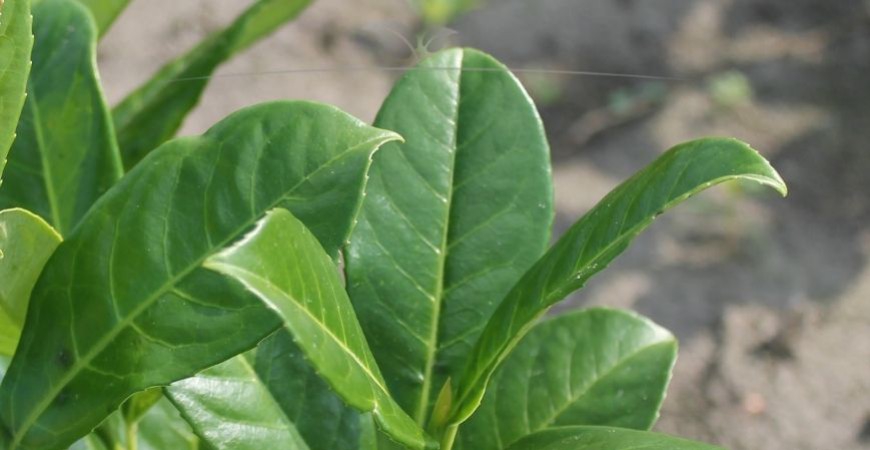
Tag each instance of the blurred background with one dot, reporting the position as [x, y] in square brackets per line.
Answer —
[770, 298]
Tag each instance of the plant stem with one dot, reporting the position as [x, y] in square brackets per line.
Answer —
[132, 430]
[448, 437]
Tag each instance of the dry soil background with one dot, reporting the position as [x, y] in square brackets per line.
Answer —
[770, 297]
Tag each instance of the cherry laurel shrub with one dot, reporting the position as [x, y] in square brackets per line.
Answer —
[185, 293]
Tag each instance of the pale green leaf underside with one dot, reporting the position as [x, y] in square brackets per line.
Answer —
[451, 218]
[154, 112]
[65, 155]
[16, 42]
[591, 367]
[124, 304]
[605, 438]
[599, 237]
[230, 407]
[26, 243]
[105, 12]
[284, 265]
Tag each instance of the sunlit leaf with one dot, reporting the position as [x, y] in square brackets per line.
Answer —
[16, 42]
[124, 304]
[284, 265]
[26, 243]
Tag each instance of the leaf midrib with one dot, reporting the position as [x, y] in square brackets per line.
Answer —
[229, 268]
[120, 326]
[432, 348]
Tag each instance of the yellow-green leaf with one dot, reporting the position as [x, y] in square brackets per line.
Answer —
[283, 264]
[26, 243]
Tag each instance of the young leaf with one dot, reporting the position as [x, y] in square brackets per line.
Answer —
[275, 386]
[155, 111]
[65, 155]
[138, 405]
[450, 220]
[283, 264]
[599, 237]
[230, 408]
[124, 304]
[105, 12]
[592, 367]
[601, 438]
[26, 243]
[16, 42]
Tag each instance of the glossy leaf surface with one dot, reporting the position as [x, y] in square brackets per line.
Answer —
[284, 265]
[592, 367]
[105, 12]
[155, 111]
[232, 409]
[599, 237]
[604, 438]
[124, 304]
[451, 219]
[26, 243]
[274, 386]
[321, 417]
[65, 155]
[16, 42]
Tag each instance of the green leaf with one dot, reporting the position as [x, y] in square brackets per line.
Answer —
[230, 408]
[599, 237]
[440, 12]
[604, 438]
[155, 111]
[162, 428]
[26, 243]
[124, 304]
[4, 363]
[16, 42]
[89, 442]
[284, 265]
[138, 405]
[275, 386]
[592, 367]
[321, 417]
[105, 12]
[65, 156]
[450, 220]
